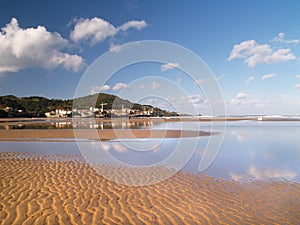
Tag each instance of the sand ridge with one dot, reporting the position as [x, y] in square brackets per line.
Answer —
[93, 134]
[41, 190]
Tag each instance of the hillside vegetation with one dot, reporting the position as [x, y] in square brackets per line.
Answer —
[35, 106]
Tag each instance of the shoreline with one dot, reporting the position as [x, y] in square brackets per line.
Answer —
[152, 119]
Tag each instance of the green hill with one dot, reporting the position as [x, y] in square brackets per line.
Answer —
[35, 106]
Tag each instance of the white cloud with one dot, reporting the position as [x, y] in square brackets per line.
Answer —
[191, 104]
[119, 86]
[115, 48]
[254, 53]
[297, 86]
[169, 66]
[96, 29]
[105, 87]
[150, 101]
[196, 99]
[281, 39]
[239, 98]
[251, 78]
[268, 76]
[139, 25]
[97, 89]
[155, 85]
[276, 103]
[298, 76]
[34, 47]
[242, 95]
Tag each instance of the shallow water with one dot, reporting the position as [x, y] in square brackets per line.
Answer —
[251, 150]
[257, 150]
[76, 124]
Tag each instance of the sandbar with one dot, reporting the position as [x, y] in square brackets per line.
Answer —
[93, 134]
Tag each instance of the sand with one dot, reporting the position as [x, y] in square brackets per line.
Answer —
[93, 134]
[65, 190]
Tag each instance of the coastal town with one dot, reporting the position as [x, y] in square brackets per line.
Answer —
[101, 112]
[35, 106]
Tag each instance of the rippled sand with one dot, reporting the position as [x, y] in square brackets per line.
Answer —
[65, 190]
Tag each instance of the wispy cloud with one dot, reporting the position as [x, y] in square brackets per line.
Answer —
[239, 97]
[34, 48]
[136, 24]
[200, 82]
[169, 66]
[194, 103]
[297, 86]
[268, 76]
[155, 85]
[281, 39]
[255, 53]
[196, 99]
[115, 48]
[96, 30]
[250, 79]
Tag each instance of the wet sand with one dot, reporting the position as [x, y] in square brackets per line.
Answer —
[121, 119]
[93, 134]
[65, 190]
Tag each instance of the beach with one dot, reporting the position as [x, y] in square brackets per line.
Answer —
[41, 190]
[48, 188]
[150, 112]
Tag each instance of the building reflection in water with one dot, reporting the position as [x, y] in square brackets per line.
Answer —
[78, 124]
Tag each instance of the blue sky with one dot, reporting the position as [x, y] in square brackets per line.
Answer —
[252, 47]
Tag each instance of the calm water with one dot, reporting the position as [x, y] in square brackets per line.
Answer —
[76, 124]
[251, 150]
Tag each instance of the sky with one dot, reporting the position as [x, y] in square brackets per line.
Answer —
[251, 47]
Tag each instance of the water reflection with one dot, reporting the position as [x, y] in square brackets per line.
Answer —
[77, 124]
[139, 153]
[256, 173]
[256, 150]
[41, 148]
[250, 151]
